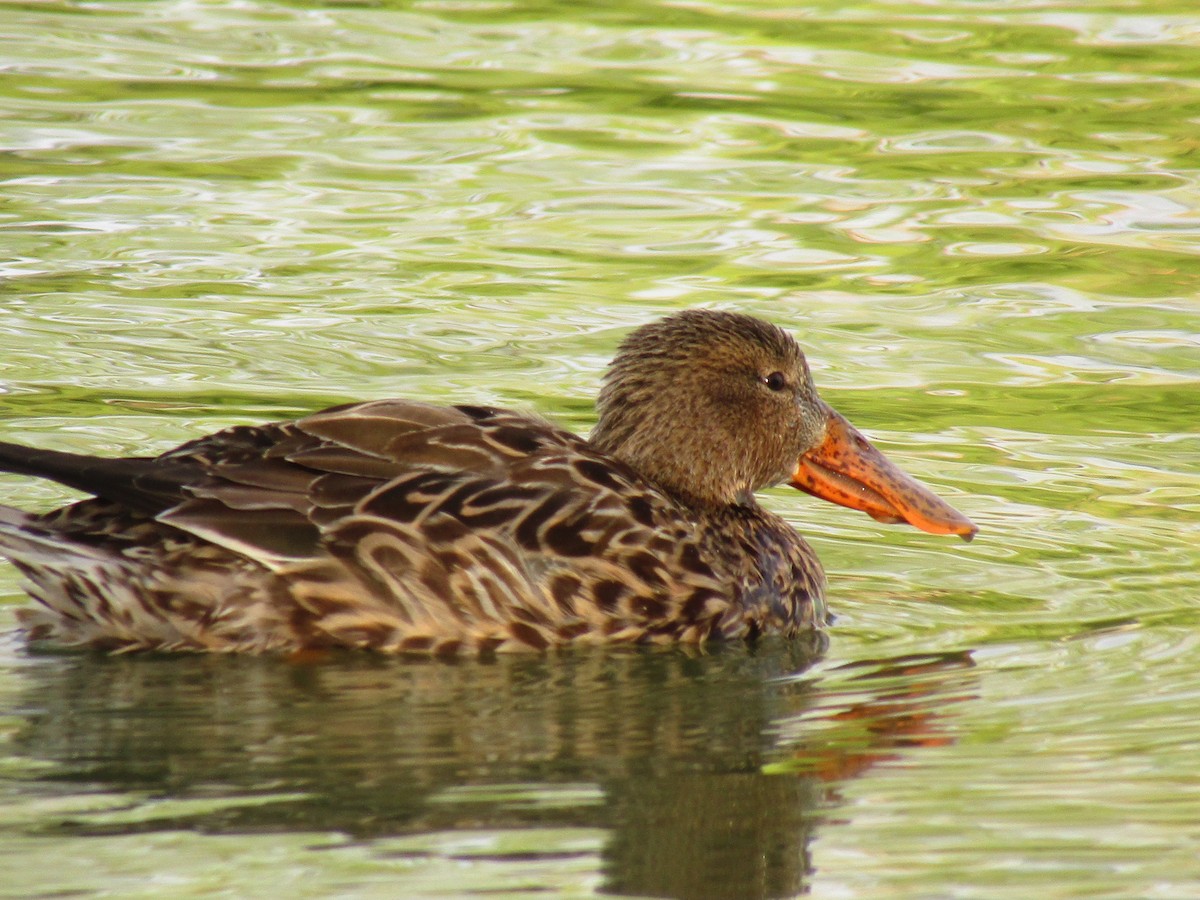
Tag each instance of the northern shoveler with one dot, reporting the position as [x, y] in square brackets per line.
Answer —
[400, 526]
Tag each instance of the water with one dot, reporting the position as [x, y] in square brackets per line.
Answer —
[980, 218]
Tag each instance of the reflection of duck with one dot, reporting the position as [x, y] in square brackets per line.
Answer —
[400, 526]
[701, 775]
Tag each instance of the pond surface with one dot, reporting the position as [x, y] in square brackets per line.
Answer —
[981, 218]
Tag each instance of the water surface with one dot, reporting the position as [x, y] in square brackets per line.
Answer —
[981, 220]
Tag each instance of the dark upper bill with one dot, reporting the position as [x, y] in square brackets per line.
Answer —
[847, 470]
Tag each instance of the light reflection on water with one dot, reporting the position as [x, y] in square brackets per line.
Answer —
[981, 221]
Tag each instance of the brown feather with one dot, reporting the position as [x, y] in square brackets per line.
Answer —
[403, 527]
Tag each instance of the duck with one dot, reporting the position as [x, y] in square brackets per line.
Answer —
[405, 527]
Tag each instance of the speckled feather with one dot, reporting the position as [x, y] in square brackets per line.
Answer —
[401, 527]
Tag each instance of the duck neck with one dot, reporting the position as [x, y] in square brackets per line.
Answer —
[680, 476]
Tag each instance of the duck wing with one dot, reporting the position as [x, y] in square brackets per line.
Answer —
[247, 477]
[275, 492]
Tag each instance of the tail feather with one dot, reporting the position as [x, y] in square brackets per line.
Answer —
[24, 543]
[11, 517]
[144, 484]
[52, 568]
[87, 594]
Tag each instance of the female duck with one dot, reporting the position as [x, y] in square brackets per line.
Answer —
[400, 526]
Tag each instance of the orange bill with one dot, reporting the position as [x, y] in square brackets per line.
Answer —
[846, 469]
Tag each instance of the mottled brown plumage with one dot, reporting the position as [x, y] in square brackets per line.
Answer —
[400, 526]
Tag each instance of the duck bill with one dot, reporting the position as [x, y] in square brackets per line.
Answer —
[846, 469]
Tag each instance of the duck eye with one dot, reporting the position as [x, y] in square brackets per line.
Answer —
[776, 381]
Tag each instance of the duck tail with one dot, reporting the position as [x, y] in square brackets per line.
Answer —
[143, 484]
[70, 581]
[28, 544]
[52, 464]
[11, 517]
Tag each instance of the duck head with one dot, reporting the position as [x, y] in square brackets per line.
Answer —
[712, 406]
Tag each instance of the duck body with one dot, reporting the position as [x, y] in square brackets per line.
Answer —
[401, 526]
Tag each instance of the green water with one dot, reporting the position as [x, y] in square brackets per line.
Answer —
[981, 218]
